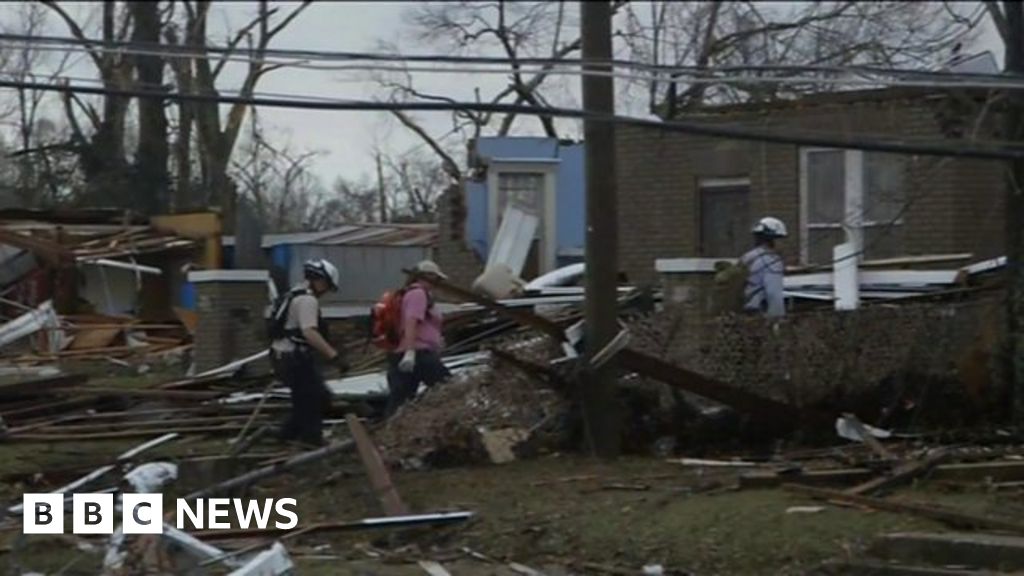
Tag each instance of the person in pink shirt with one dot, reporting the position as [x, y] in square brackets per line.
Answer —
[418, 356]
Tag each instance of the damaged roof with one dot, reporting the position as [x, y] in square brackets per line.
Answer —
[361, 234]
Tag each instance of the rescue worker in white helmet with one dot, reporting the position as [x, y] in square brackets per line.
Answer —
[299, 347]
[763, 292]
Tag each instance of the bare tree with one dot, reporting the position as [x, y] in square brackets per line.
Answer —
[217, 137]
[514, 30]
[416, 183]
[277, 180]
[706, 35]
[101, 144]
[40, 150]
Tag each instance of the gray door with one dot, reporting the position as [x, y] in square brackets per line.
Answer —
[724, 221]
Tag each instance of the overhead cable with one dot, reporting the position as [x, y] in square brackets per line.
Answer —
[958, 150]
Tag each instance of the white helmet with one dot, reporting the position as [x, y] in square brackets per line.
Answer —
[323, 269]
[770, 227]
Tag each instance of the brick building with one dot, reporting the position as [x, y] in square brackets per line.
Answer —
[691, 196]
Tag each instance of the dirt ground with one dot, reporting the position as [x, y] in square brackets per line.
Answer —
[551, 514]
[559, 514]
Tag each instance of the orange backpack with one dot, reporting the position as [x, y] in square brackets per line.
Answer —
[386, 318]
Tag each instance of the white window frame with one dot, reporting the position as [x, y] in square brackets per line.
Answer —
[549, 242]
[853, 202]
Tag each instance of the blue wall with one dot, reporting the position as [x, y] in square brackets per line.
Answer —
[570, 218]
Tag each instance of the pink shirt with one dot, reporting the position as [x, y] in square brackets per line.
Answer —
[416, 306]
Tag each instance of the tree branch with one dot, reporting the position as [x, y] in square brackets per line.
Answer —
[999, 19]
[449, 165]
[76, 31]
[232, 44]
[288, 19]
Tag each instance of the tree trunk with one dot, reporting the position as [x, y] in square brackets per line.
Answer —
[151, 160]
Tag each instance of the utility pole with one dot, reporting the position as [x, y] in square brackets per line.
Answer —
[1015, 209]
[598, 386]
[381, 196]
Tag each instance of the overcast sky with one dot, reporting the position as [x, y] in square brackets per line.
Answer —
[348, 138]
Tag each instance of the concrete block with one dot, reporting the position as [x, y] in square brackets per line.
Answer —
[977, 551]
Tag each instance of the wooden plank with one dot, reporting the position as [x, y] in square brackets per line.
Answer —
[119, 434]
[273, 469]
[1002, 471]
[136, 393]
[902, 473]
[189, 318]
[40, 386]
[89, 338]
[930, 511]
[764, 409]
[46, 408]
[376, 470]
[137, 424]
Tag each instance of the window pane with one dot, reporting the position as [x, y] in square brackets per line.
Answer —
[820, 244]
[825, 181]
[884, 190]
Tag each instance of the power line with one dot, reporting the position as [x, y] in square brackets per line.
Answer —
[1000, 152]
[302, 57]
[709, 76]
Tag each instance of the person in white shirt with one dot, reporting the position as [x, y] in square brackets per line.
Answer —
[298, 348]
[763, 292]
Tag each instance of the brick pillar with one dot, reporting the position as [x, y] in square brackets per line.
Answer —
[452, 253]
[231, 305]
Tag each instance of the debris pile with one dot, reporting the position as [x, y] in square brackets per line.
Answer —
[459, 422]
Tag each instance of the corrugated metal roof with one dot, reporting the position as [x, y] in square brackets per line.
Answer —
[356, 235]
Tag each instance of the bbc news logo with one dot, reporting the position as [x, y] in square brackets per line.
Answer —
[144, 513]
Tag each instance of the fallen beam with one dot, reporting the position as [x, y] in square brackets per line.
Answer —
[1002, 471]
[903, 473]
[118, 435]
[39, 386]
[768, 411]
[930, 511]
[377, 472]
[273, 469]
[136, 393]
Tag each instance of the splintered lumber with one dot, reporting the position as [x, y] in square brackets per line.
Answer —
[274, 469]
[902, 473]
[929, 510]
[42, 408]
[1000, 471]
[377, 472]
[90, 338]
[137, 393]
[38, 386]
[160, 425]
[117, 435]
[770, 411]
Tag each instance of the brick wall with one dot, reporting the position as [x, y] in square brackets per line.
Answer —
[231, 324]
[955, 205]
[453, 253]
